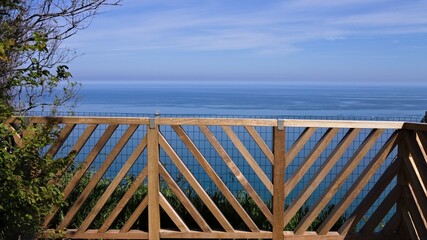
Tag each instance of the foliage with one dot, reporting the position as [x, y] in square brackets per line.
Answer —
[27, 180]
[33, 71]
[34, 74]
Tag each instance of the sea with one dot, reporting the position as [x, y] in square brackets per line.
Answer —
[260, 100]
[254, 99]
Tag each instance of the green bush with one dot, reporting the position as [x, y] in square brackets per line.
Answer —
[28, 184]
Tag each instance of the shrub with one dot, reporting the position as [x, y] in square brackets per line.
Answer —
[28, 186]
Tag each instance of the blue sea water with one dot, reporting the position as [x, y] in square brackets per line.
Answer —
[239, 98]
[253, 99]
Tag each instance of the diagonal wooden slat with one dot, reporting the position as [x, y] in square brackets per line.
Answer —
[104, 167]
[116, 181]
[409, 224]
[382, 210]
[371, 197]
[261, 143]
[299, 144]
[176, 219]
[346, 170]
[135, 215]
[85, 165]
[317, 179]
[392, 224]
[361, 181]
[63, 135]
[237, 173]
[78, 146]
[422, 144]
[310, 159]
[215, 178]
[413, 207]
[416, 157]
[16, 137]
[249, 158]
[183, 199]
[414, 182]
[195, 184]
[89, 159]
[84, 137]
[124, 200]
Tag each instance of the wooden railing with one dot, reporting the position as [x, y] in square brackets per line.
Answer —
[299, 179]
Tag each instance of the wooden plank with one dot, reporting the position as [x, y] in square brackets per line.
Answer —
[84, 137]
[392, 224]
[374, 236]
[76, 148]
[357, 186]
[418, 162]
[299, 143]
[371, 197]
[279, 140]
[165, 234]
[89, 159]
[111, 188]
[267, 235]
[217, 121]
[97, 177]
[16, 137]
[249, 158]
[409, 224]
[93, 234]
[343, 124]
[317, 179]
[415, 126]
[260, 142]
[183, 199]
[82, 170]
[237, 173]
[135, 215]
[215, 178]
[176, 219]
[379, 214]
[138, 234]
[339, 179]
[414, 181]
[418, 219]
[153, 183]
[195, 185]
[89, 120]
[422, 144]
[124, 200]
[63, 135]
[310, 159]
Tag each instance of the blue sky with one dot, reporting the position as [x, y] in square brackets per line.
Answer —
[333, 41]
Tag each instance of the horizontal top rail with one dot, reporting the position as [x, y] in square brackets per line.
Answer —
[225, 122]
[82, 120]
[344, 124]
[217, 121]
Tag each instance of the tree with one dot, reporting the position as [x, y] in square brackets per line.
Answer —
[33, 71]
[34, 74]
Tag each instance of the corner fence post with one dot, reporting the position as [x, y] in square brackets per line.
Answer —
[279, 134]
[153, 180]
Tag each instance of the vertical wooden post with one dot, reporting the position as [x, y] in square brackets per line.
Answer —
[153, 181]
[402, 180]
[278, 180]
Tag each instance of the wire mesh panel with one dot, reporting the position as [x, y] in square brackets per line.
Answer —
[218, 178]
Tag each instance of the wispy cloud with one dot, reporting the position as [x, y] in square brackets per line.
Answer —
[277, 27]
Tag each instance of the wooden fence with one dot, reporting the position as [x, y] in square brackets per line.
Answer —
[296, 179]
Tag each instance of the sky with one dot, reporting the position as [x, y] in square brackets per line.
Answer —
[305, 41]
